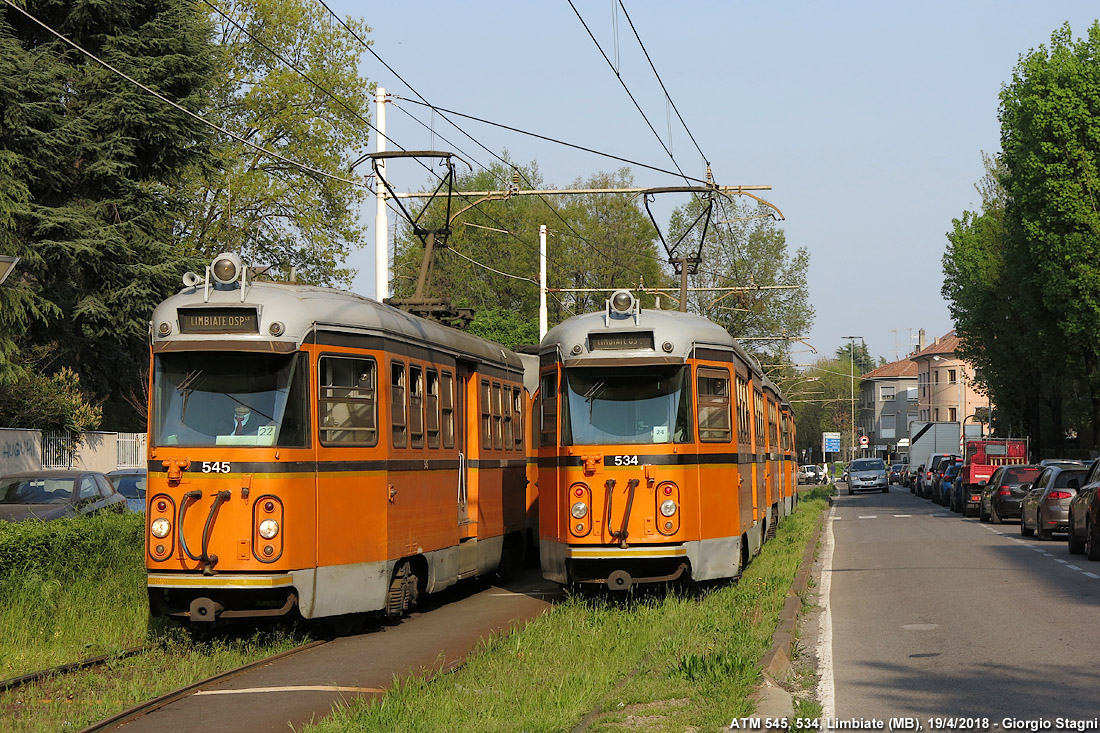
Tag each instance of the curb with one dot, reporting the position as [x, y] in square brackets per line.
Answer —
[772, 700]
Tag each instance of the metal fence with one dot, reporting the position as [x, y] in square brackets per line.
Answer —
[58, 450]
[131, 450]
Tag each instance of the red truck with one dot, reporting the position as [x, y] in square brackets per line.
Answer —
[981, 457]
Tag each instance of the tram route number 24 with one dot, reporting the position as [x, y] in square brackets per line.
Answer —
[216, 467]
[620, 460]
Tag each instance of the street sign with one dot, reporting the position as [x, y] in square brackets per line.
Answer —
[830, 442]
[863, 441]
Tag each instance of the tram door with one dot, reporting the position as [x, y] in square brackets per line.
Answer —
[466, 440]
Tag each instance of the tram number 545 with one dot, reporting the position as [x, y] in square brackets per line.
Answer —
[620, 461]
[216, 467]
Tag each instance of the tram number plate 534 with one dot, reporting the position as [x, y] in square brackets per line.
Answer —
[620, 460]
[216, 467]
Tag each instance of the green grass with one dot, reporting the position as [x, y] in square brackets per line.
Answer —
[651, 663]
[70, 589]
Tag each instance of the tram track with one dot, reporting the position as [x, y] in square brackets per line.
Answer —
[89, 663]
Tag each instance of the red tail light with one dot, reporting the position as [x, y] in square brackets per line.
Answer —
[1059, 495]
[1004, 491]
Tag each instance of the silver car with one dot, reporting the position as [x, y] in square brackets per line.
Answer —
[867, 474]
[1046, 507]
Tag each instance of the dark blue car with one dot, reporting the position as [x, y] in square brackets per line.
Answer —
[947, 483]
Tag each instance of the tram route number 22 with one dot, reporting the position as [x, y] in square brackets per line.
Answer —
[620, 460]
[216, 467]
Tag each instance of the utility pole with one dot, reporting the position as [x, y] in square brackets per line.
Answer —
[544, 319]
[852, 354]
[381, 218]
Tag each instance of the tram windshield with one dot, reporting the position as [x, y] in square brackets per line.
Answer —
[230, 398]
[641, 405]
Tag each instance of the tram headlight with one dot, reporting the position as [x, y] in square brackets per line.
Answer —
[579, 510]
[668, 507]
[160, 528]
[269, 528]
[226, 268]
[622, 301]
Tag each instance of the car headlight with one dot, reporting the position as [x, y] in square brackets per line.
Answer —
[668, 507]
[269, 528]
[579, 510]
[160, 528]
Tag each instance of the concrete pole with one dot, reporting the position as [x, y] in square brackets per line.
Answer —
[381, 218]
[543, 316]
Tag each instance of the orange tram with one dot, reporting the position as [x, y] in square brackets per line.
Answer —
[318, 452]
[663, 451]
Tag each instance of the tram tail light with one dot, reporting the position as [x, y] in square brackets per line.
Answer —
[580, 514]
[268, 529]
[161, 527]
[668, 508]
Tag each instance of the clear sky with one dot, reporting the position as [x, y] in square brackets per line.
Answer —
[868, 119]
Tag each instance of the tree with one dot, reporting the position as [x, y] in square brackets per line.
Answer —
[91, 169]
[263, 208]
[750, 251]
[491, 257]
[857, 354]
[48, 401]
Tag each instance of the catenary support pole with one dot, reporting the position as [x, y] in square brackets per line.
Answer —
[543, 317]
[381, 219]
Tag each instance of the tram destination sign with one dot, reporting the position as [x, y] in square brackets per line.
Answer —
[219, 320]
[626, 341]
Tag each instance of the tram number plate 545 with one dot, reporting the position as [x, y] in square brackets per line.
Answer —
[620, 460]
[216, 467]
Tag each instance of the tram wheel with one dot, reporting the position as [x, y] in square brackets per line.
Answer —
[403, 591]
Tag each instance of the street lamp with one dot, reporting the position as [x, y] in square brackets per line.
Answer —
[7, 264]
[852, 354]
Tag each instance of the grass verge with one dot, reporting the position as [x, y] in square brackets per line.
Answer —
[650, 663]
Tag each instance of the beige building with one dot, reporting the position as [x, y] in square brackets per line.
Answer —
[945, 384]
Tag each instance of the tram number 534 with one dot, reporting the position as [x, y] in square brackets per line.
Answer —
[620, 460]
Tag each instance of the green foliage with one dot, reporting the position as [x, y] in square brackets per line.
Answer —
[91, 176]
[62, 550]
[749, 251]
[267, 211]
[599, 241]
[506, 327]
[39, 401]
[857, 354]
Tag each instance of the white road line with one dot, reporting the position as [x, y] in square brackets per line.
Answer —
[1061, 561]
[868, 516]
[1092, 575]
[295, 688]
[903, 515]
[1073, 567]
[826, 682]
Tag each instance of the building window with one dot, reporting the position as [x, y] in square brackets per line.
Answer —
[951, 376]
[937, 373]
[888, 426]
[937, 417]
[954, 414]
[886, 393]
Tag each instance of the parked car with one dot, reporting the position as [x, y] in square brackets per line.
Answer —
[945, 495]
[867, 474]
[1083, 520]
[1002, 496]
[897, 470]
[1046, 506]
[914, 478]
[130, 482]
[52, 494]
[924, 480]
[938, 465]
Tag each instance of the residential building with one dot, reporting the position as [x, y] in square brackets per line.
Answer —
[945, 385]
[887, 403]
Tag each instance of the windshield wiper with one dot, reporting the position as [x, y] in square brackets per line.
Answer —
[595, 390]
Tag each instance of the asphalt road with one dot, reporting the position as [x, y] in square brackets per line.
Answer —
[931, 615]
[289, 693]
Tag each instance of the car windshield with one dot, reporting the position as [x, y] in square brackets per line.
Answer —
[198, 395]
[646, 405]
[1061, 481]
[32, 490]
[130, 485]
[868, 464]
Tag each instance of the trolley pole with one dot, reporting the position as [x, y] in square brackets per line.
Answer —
[381, 218]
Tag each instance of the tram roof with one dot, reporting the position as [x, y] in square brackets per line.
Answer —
[299, 308]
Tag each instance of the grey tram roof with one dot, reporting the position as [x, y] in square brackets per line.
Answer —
[685, 331]
[302, 307]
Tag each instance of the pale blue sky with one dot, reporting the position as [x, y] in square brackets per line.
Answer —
[867, 118]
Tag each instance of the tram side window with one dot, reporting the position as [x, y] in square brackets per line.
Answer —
[714, 406]
[431, 405]
[347, 404]
[498, 418]
[486, 415]
[759, 403]
[397, 405]
[548, 404]
[447, 409]
[506, 416]
[517, 417]
[416, 406]
[784, 436]
[773, 426]
[743, 414]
